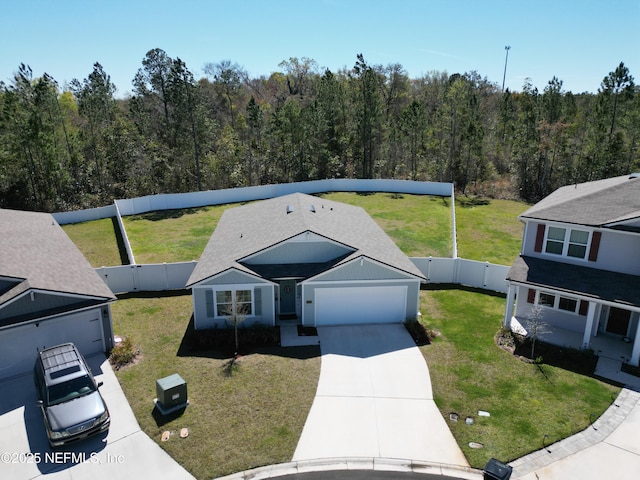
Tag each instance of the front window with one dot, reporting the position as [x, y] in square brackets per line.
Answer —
[568, 304]
[546, 299]
[229, 302]
[570, 243]
[578, 244]
[555, 240]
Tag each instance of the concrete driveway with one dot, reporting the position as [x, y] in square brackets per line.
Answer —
[122, 452]
[374, 399]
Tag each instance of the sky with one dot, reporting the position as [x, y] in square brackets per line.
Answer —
[578, 41]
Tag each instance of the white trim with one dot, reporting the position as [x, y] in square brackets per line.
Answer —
[233, 287]
[98, 306]
[371, 282]
[201, 283]
[296, 238]
[409, 275]
[564, 293]
[566, 242]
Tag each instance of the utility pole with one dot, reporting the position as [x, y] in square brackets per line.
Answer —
[507, 48]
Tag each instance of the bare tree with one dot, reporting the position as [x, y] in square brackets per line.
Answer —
[536, 327]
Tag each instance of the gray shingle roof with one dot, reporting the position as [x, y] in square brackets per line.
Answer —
[597, 203]
[599, 284]
[251, 228]
[38, 254]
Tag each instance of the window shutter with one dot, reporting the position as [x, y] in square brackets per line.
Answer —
[584, 307]
[208, 296]
[531, 295]
[595, 246]
[539, 238]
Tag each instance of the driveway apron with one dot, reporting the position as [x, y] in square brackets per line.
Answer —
[374, 399]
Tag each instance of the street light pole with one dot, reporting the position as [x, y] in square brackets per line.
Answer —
[507, 48]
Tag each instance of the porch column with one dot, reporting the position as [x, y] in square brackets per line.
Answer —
[635, 353]
[591, 314]
[508, 313]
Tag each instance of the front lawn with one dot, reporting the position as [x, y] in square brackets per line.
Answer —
[250, 418]
[470, 373]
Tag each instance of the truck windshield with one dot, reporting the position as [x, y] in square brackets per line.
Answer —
[74, 388]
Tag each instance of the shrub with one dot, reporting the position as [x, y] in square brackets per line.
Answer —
[123, 354]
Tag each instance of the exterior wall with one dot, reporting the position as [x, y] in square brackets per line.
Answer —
[39, 302]
[360, 269]
[617, 251]
[299, 250]
[264, 306]
[309, 291]
[550, 316]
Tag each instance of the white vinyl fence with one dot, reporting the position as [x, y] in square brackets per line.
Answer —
[155, 277]
[171, 201]
[174, 276]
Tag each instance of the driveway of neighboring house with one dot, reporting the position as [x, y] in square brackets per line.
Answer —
[374, 399]
[124, 451]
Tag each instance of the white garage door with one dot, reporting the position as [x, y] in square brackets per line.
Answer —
[348, 305]
[19, 345]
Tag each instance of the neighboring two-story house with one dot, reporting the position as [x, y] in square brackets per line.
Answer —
[580, 263]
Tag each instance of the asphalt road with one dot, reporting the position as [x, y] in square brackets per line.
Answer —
[364, 475]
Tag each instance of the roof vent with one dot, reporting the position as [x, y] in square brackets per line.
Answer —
[311, 208]
[289, 209]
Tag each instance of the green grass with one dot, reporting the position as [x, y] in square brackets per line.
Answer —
[419, 224]
[97, 240]
[470, 373]
[255, 416]
[251, 418]
[172, 235]
[489, 232]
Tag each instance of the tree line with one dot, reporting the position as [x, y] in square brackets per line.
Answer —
[80, 146]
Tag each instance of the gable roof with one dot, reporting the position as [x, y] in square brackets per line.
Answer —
[248, 229]
[597, 203]
[36, 254]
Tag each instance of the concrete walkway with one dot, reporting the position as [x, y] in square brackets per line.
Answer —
[374, 400]
[607, 449]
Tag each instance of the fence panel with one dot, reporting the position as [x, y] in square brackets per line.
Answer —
[471, 273]
[120, 279]
[173, 201]
[78, 216]
[463, 272]
[156, 277]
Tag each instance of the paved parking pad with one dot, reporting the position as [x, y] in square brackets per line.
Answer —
[124, 451]
[374, 399]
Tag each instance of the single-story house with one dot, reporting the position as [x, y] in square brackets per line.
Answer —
[579, 268]
[49, 293]
[304, 259]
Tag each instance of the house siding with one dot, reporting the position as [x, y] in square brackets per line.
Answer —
[264, 306]
[608, 249]
[361, 270]
[232, 277]
[40, 305]
[296, 251]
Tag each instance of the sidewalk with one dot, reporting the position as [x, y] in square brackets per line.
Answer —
[609, 445]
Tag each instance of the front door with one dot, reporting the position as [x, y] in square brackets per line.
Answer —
[618, 322]
[288, 297]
